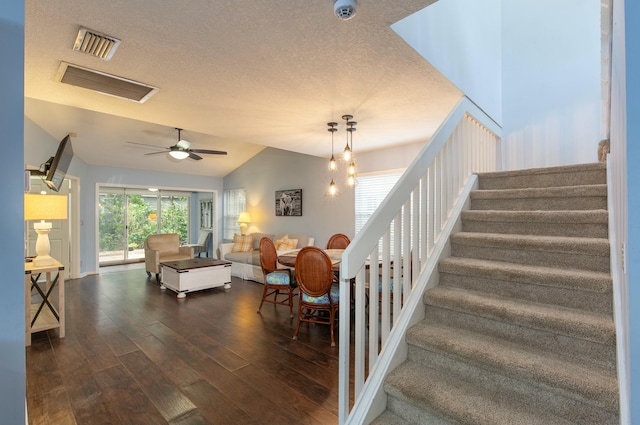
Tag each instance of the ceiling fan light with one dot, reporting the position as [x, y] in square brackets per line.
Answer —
[178, 154]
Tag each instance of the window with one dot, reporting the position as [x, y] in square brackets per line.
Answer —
[371, 191]
[126, 216]
[174, 214]
[235, 201]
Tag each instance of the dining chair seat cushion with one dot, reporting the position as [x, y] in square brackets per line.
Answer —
[324, 299]
[278, 278]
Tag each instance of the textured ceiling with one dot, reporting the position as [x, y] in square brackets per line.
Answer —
[235, 75]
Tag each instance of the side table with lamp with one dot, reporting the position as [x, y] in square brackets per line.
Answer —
[44, 314]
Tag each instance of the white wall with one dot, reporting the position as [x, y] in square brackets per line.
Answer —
[395, 158]
[550, 82]
[532, 65]
[462, 40]
[12, 301]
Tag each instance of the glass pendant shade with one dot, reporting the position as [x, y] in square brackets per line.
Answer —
[333, 164]
[351, 171]
[333, 189]
[346, 155]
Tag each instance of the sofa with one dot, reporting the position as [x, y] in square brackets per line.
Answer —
[163, 247]
[245, 262]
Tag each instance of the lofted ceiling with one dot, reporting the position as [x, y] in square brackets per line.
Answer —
[236, 75]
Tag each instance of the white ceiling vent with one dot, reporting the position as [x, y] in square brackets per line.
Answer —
[95, 44]
[104, 83]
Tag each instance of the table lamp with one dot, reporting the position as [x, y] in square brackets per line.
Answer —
[243, 219]
[44, 207]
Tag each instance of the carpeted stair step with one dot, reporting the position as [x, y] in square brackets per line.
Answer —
[565, 198]
[573, 175]
[582, 289]
[572, 323]
[586, 224]
[421, 395]
[488, 319]
[519, 329]
[582, 393]
[388, 418]
[563, 252]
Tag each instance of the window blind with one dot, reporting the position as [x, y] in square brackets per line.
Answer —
[370, 192]
[235, 201]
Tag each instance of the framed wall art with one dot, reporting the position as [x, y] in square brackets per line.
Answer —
[289, 202]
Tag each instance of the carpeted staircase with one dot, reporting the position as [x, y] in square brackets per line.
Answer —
[520, 328]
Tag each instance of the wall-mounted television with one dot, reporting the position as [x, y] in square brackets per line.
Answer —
[56, 167]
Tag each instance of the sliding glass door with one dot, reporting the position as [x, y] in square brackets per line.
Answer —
[142, 221]
[111, 227]
[127, 216]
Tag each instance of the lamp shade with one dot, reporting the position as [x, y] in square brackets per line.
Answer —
[244, 217]
[45, 207]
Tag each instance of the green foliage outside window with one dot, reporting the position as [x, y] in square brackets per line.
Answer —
[175, 216]
[142, 219]
[111, 222]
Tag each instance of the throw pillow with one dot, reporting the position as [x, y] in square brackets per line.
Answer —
[280, 241]
[288, 244]
[241, 243]
[258, 236]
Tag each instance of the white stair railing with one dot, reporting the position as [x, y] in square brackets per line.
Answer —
[384, 270]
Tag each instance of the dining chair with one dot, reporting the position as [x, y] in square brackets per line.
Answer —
[318, 292]
[391, 283]
[338, 241]
[277, 281]
[204, 239]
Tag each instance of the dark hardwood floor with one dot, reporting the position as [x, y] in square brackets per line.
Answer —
[134, 354]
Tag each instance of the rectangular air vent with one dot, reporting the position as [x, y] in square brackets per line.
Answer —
[95, 44]
[105, 83]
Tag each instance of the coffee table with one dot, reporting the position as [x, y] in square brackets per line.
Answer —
[195, 274]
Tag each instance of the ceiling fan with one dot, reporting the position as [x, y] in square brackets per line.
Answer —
[182, 150]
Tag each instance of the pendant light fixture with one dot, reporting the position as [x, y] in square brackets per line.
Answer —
[351, 170]
[333, 164]
[333, 188]
[346, 154]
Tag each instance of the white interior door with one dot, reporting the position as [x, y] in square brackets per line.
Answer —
[59, 234]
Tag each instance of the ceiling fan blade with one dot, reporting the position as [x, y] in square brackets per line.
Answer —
[194, 156]
[155, 153]
[208, 151]
[144, 144]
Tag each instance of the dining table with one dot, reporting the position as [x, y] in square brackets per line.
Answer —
[289, 258]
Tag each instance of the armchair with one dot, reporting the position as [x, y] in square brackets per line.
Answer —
[163, 247]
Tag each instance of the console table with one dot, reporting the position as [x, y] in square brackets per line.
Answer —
[43, 315]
